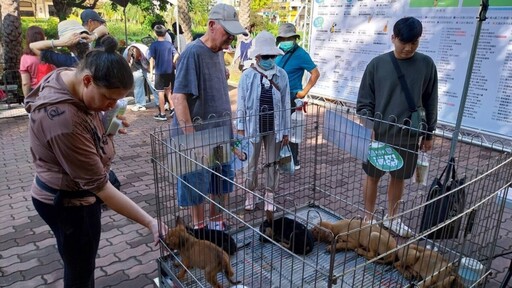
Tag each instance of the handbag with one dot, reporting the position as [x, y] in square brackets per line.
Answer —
[418, 118]
[446, 207]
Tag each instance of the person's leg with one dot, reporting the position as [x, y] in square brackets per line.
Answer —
[78, 230]
[220, 188]
[294, 147]
[395, 191]
[271, 172]
[160, 87]
[251, 182]
[370, 184]
[138, 91]
[191, 189]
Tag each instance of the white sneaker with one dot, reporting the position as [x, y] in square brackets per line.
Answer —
[249, 202]
[297, 167]
[269, 202]
[138, 107]
[166, 106]
[397, 226]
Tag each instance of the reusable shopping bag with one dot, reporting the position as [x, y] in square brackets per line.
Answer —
[285, 161]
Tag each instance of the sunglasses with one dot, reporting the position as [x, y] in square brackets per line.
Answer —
[266, 57]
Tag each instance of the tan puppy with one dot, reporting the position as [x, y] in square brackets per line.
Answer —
[201, 254]
[366, 240]
[418, 262]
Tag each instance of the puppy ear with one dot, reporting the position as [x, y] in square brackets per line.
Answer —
[180, 222]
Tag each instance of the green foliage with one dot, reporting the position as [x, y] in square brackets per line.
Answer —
[49, 26]
[257, 5]
[198, 10]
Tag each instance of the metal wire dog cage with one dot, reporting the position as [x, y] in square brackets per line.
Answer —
[328, 187]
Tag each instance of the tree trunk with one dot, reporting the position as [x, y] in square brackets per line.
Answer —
[11, 34]
[184, 19]
[244, 13]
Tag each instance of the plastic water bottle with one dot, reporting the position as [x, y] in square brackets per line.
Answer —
[298, 122]
[110, 121]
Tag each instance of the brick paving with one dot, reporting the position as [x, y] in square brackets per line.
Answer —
[126, 258]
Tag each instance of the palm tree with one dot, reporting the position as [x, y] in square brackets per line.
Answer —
[244, 13]
[10, 32]
[184, 19]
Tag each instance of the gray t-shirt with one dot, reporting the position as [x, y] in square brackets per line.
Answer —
[201, 75]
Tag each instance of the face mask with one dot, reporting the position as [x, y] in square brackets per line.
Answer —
[286, 45]
[267, 64]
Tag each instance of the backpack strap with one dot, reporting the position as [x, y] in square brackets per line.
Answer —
[269, 79]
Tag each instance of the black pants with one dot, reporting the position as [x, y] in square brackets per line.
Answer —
[294, 147]
[77, 230]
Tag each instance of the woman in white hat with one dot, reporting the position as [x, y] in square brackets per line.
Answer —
[263, 109]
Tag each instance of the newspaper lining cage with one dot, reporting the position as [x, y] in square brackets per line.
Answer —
[328, 187]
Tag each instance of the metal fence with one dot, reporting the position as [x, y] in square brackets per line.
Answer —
[328, 187]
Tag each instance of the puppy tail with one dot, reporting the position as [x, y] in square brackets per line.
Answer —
[228, 271]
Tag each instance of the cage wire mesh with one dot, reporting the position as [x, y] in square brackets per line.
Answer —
[327, 187]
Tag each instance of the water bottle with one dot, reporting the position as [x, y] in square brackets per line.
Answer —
[298, 122]
[110, 121]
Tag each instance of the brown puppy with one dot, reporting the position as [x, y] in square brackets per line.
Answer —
[428, 265]
[201, 254]
[366, 240]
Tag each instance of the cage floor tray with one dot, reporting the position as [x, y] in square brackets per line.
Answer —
[259, 264]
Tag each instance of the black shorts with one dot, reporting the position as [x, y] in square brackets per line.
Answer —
[409, 154]
[163, 81]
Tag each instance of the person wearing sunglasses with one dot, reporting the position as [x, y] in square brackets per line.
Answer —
[263, 115]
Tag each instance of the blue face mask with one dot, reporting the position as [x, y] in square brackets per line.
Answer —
[267, 64]
[286, 45]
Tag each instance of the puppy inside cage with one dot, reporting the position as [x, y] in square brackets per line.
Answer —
[327, 190]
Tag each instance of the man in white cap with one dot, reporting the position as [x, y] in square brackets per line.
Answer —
[201, 102]
[295, 61]
[263, 107]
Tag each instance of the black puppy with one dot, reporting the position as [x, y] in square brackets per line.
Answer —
[217, 237]
[292, 234]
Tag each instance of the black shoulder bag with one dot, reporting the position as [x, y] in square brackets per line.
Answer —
[418, 118]
[446, 207]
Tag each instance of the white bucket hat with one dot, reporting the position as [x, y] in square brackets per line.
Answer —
[67, 27]
[264, 44]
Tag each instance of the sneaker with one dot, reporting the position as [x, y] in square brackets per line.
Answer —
[160, 117]
[166, 106]
[269, 202]
[218, 225]
[397, 226]
[249, 202]
[138, 107]
[171, 113]
[297, 167]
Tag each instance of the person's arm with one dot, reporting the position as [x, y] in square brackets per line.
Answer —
[123, 205]
[99, 32]
[26, 81]
[315, 74]
[151, 67]
[67, 41]
[181, 111]
[241, 111]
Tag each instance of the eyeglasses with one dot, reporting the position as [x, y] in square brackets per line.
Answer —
[266, 57]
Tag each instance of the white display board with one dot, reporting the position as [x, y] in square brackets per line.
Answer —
[347, 34]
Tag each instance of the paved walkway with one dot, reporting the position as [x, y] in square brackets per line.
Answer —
[126, 258]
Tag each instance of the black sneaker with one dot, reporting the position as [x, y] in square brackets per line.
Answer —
[171, 112]
[160, 117]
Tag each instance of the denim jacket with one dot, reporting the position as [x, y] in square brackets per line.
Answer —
[248, 104]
